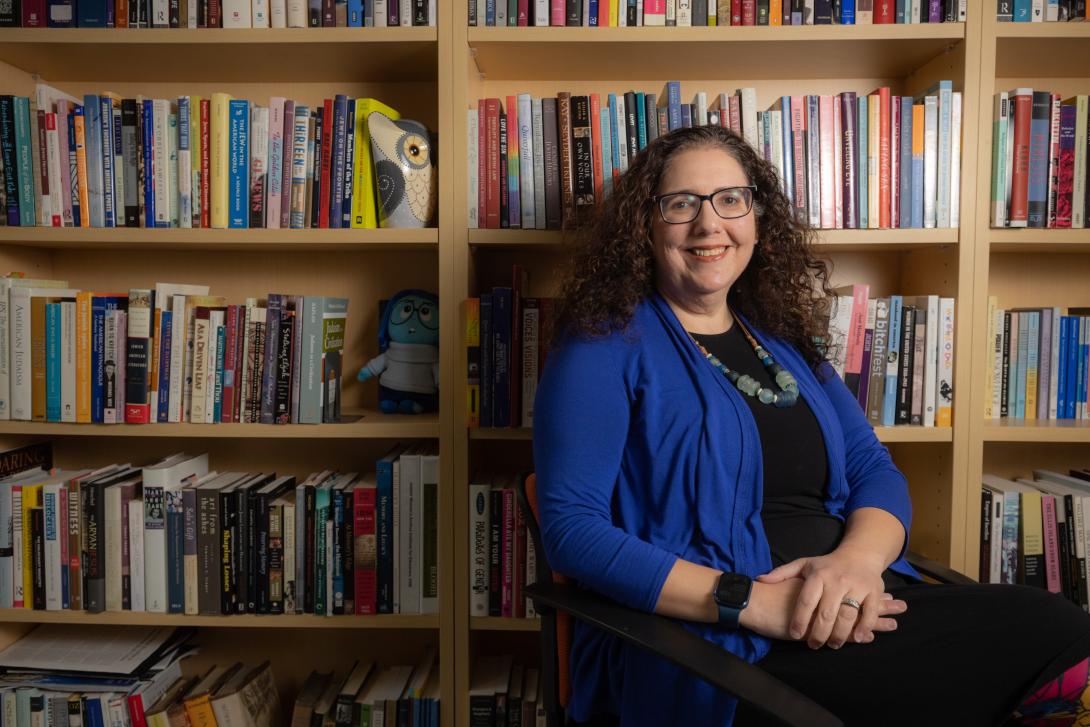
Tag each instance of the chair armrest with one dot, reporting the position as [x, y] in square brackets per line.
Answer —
[938, 571]
[668, 639]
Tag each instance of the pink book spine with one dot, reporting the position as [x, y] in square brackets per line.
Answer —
[556, 13]
[857, 327]
[735, 109]
[363, 533]
[827, 164]
[1052, 550]
[1054, 160]
[895, 162]
[507, 560]
[798, 152]
[274, 184]
[523, 13]
[838, 165]
[227, 411]
[519, 566]
[482, 163]
[724, 110]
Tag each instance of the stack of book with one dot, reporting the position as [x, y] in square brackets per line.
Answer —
[1038, 359]
[501, 692]
[370, 694]
[1033, 532]
[217, 13]
[174, 537]
[695, 13]
[846, 161]
[1040, 11]
[220, 162]
[502, 558]
[1040, 153]
[172, 353]
[895, 354]
[507, 339]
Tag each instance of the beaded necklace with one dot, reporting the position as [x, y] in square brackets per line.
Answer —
[789, 388]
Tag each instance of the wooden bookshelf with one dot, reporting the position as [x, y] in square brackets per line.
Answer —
[888, 435]
[1051, 431]
[491, 623]
[240, 621]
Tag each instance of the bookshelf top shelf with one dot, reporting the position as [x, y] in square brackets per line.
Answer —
[364, 424]
[1042, 30]
[143, 239]
[1042, 50]
[886, 435]
[281, 55]
[283, 621]
[1038, 240]
[620, 54]
[1049, 431]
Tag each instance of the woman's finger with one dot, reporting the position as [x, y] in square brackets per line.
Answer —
[808, 600]
[825, 617]
[868, 617]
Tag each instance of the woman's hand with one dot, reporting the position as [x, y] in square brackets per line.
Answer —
[818, 614]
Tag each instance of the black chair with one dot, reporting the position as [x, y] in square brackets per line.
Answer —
[558, 601]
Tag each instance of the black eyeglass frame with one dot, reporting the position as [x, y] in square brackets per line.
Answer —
[657, 199]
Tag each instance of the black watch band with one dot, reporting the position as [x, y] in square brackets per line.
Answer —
[731, 595]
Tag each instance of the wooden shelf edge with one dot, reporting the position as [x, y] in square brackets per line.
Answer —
[292, 621]
[1060, 431]
[216, 36]
[264, 240]
[847, 33]
[493, 623]
[1043, 30]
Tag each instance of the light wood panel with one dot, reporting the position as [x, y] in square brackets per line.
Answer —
[201, 240]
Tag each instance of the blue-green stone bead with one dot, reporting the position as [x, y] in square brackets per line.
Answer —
[767, 396]
[784, 379]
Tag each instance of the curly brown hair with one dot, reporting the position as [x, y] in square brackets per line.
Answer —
[611, 268]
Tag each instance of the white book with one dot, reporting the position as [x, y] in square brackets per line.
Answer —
[113, 560]
[408, 564]
[671, 13]
[839, 324]
[995, 564]
[942, 202]
[261, 10]
[236, 14]
[52, 518]
[526, 156]
[406, 13]
[275, 163]
[471, 169]
[215, 324]
[1078, 202]
[193, 19]
[838, 166]
[915, 11]
[1052, 11]
[428, 572]
[53, 160]
[684, 13]
[290, 585]
[621, 135]
[68, 361]
[1037, 11]
[299, 167]
[185, 163]
[1054, 361]
[297, 14]
[827, 164]
[955, 160]
[700, 102]
[479, 506]
[119, 169]
[1009, 167]
[930, 161]
[539, 161]
[931, 360]
[136, 555]
[20, 343]
[994, 342]
[160, 161]
[999, 159]
[541, 12]
[749, 115]
[501, 13]
[160, 14]
[775, 127]
[382, 17]
[259, 156]
[170, 474]
[433, 15]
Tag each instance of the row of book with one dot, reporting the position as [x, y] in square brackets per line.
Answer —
[370, 695]
[1040, 160]
[217, 13]
[1039, 361]
[846, 160]
[1033, 531]
[697, 13]
[175, 537]
[502, 692]
[895, 354]
[502, 559]
[221, 162]
[172, 353]
[1040, 11]
[507, 338]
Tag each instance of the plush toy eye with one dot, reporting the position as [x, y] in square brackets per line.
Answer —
[425, 313]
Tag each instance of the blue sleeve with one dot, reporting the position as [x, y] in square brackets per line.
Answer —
[581, 422]
[873, 479]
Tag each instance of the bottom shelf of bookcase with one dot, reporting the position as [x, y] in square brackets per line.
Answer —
[249, 621]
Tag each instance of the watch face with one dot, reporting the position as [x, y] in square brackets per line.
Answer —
[733, 589]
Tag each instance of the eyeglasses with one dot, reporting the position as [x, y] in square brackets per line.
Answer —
[405, 310]
[681, 208]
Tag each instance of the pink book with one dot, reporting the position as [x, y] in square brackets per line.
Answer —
[556, 13]
[507, 554]
[895, 162]
[523, 13]
[838, 165]
[275, 166]
[827, 162]
[735, 108]
[518, 607]
[798, 152]
[227, 410]
[1052, 550]
[365, 553]
[1054, 160]
[724, 110]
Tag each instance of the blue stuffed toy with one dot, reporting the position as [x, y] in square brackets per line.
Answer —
[408, 365]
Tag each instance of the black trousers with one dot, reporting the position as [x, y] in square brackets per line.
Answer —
[961, 656]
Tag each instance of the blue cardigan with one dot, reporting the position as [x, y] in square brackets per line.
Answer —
[645, 453]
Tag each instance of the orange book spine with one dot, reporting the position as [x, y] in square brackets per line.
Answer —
[37, 359]
[83, 357]
[596, 144]
[79, 125]
[199, 711]
[121, 14]
[775, 12]
[884, 159]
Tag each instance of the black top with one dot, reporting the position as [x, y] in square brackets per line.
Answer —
[793, 453]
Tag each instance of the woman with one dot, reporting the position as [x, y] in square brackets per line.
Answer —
[697, 457]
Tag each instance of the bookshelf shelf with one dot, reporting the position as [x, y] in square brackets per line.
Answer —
[290, 621]
[1027, 31]
[492, 623]
[1049, 431]
[624, 54]
[831, 240]
[121, 238]
[363, 424]
[1040, 50]
[225, 55]
[1037, 240]
[887, 435]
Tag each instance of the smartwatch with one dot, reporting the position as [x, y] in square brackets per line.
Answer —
[731, 594]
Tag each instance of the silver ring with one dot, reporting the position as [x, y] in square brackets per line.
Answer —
[847, 601]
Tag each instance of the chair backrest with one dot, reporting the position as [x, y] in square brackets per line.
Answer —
[556, 628]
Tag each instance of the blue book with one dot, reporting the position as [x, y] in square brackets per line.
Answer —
[612, 120]
[337, 546]
[641, 121]
[608, 150]
[99, 306]
[861, 159]
[221, 346]
[906, 163]
[349, 157]
[238, 188]
[52, 362]
[1022, 11]
[1023, 365]
[847, 12]
[106, 114]
[501, 356]
[1040, 124]
[173, 505]
[24, 147]
[676, 116]
[336, 199]
[7, 158]
[355, 13]
[1072, 363]
[592, 13]
[1061, 370]
[321, 517]
[686, 116]
[93, 712]
[489, 12]
[384, 532]
[166, 336]
[673, 92]
[1084, 349]
[487, 376]
[893, 349]
[92, 110]
[72, 165]
[149, 166]
[91, 13]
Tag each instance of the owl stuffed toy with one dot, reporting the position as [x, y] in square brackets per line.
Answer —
[404, 171]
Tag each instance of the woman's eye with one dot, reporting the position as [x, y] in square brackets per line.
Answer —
[680, 203]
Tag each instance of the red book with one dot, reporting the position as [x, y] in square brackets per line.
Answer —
[136, 710]
[492, 152]
[749, 12]
[1054, 162]
[214, 14]
[43, 166]
[1066, 183]
[33, 13]
[518, 606]
[327, 153]
[735, 12]
[507, 553]
[603, 14]
[894, 159]
[884, 162]
[734, 113]
[596, 144]
[523, 13]
[121, 14]
[364, 549]
[206, 166]
[482, 165]
[885, 11]
[1022, 100]
[230, 358]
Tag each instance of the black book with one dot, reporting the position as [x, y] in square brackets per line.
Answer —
[420, 12]
[8, 155]
[553, 200]
[316, 170]
[349, 552]
[651, 110]
[129, 154]
[264, 499]
[336, 548]
[495, 536]
[1003, 11]
[985, 534]
[307, 567]
[904, 365]
[37, 545]
[284, 354]
[505, 202]
[393, 14]
[700, 13]
[245, 503]
[762, 11]
[1004, 410]
[823, 12]
[11, 16]
[573, 13]
[631, 122]
[582, 156]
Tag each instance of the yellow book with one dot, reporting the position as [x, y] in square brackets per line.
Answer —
[1033, 541]
[32, 498]
[219, 157]
[713, 18]
[364, 201]
[613, 13]
[83, 357]
[198, 701]
[989, 379]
